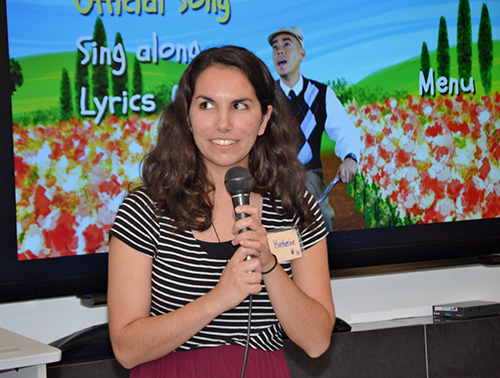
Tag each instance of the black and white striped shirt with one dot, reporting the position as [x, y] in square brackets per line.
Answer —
[185, 268]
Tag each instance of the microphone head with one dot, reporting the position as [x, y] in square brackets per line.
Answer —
[238, 181]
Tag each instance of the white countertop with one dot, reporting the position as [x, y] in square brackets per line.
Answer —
[17, 351]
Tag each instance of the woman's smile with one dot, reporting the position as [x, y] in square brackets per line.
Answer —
[224, 142]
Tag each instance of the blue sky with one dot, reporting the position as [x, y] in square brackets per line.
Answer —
[348, 39]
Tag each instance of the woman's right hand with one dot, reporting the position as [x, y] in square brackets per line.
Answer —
[240, 278]
[138, 337]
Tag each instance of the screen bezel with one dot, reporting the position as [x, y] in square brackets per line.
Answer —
[355, 252]
[421, 246]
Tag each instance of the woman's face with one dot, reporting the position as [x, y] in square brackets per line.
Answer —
[225, 117]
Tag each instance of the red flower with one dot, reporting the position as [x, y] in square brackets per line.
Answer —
[369, 161]
[408, 127]
[387, 103]
[384, 154]
[111, 187]
[441, 151]
[21, 169]
[478, 153]
[434, 130]
[104, 137]
[495, 151]
[402, 157]
[430, 184]
[431, 215]
[485, 169]
[454, 188]
[98, 158]
[115, 146]
[448, 103]
[94, 237]
[370, 140]
[472, 196]
[111, 119]
[42, 203]
[403, 186]
[62, 239]
[79, 151]
[492, 206]
[57, 150]
[27, 255]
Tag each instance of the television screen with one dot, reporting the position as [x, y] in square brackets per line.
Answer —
[83, 83]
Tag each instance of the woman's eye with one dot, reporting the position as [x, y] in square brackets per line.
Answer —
[206, 105]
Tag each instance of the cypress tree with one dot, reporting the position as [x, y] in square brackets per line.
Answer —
[425, 62]
[443, 50]
[464, 41]
[81, 80]
[65, 97]
[16, 75]
[137, 77]
[100, 80]
[119, 83]
[485, 49]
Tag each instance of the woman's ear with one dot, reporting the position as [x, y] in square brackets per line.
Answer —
[265, 119]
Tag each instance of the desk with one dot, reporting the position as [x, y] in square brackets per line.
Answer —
[27, 358]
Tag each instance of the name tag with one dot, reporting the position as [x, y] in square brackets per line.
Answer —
[286, 245]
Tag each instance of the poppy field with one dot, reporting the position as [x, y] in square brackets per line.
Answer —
[424, 160]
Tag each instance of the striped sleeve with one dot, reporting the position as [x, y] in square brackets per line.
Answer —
[136, 223]
[317, 230]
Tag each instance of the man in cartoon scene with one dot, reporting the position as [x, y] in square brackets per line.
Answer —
[316, 109]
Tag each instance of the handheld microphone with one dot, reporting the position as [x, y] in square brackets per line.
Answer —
[238, 182]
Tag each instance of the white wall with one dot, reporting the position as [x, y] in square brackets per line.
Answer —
[357, 300]
[411, 294]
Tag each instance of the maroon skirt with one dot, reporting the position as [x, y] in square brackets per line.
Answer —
[220, 362]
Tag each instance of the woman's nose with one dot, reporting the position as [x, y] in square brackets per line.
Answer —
[224, 121]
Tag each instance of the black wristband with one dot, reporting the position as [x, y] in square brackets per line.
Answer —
[352, 156]
[274, 266]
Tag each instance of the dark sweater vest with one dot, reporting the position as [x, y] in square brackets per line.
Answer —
[311, 99]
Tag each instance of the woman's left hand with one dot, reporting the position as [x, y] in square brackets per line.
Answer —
[254, 240]
[304, 304]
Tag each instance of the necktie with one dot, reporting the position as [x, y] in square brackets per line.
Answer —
[294, 104]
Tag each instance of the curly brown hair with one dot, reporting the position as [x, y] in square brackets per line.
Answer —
[174, 173]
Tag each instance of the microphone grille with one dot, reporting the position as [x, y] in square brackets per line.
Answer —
[238, 180]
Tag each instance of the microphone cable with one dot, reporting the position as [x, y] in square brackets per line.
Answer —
[243, 368]
[238, 183]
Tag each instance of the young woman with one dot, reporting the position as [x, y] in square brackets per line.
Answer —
[179, 279]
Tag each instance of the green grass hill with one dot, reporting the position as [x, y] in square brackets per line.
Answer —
[42, 79]
[405, 75]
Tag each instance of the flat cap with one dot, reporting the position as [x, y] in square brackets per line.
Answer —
[294, 30]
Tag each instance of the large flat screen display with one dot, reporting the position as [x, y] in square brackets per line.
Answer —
[84, 82]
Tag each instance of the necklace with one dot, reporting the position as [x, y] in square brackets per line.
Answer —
[215, 230]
